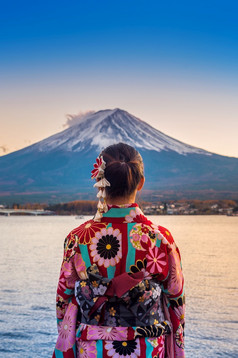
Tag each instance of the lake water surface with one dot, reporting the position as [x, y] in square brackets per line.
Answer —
[31, 250]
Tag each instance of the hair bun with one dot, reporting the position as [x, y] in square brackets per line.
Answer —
[124, 169]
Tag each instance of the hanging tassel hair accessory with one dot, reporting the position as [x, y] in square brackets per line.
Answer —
[98, 174]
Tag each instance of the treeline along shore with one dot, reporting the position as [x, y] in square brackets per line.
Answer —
[171, 207]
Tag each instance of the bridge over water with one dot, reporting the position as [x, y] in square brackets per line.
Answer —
[8, 212]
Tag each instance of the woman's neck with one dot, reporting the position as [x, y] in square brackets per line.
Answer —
[121, 200]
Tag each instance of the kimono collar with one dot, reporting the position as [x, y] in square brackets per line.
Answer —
[123, 213]
[119, 211]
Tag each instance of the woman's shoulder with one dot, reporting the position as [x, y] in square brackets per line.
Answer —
[82, 234]
[166, 234]
[163, 233]
[86, 231]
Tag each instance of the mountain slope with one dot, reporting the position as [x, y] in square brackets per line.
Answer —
[58, 168]
[111, 126]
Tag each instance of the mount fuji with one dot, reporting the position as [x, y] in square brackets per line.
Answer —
[58, 167]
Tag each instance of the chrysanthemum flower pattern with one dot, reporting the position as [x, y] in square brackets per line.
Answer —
[85, 232]
[86, 349]
[142, 237]
[66, 338]
[156, 260]
[123, 349]
[71, 271]
[106, 247]
[180, 313]
[106, 333]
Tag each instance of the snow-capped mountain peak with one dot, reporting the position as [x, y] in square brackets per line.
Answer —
[58, 168]
[107, 127]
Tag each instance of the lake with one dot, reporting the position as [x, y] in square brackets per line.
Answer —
[30, 257]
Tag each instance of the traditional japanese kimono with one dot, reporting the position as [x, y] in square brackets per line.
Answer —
[120, 291]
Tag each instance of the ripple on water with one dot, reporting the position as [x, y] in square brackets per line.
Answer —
[45, 333]
[11, 304]
[15, 335]
[7, 290]
[40, 308]
[13, 351]
[6, 350]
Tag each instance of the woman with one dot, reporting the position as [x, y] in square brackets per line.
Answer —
[120, 292]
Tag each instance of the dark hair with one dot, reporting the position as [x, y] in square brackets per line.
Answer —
[124, 169]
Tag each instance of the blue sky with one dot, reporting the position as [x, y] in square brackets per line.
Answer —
[174, 65]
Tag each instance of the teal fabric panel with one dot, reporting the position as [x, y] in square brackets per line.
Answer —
[58, 354]
[99, 348]
[149, 348]
[131, 253]
[74, 349]
[85, 255]
[111, 271]
[69, 292]
[117, 212]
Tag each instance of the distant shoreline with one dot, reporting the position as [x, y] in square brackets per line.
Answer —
[89, 207]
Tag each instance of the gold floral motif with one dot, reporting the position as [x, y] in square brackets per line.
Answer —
[112, 311]
[97, 317]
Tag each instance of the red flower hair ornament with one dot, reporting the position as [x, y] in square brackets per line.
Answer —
[98, 174]
[99, 166]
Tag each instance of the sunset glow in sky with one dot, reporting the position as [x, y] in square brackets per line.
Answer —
[172, 64]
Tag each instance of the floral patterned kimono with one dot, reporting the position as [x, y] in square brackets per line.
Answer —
[120, 291]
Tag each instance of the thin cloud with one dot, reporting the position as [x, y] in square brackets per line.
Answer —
[73, 119]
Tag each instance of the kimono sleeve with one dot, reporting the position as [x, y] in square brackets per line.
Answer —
[72, 269]
[173, 288]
